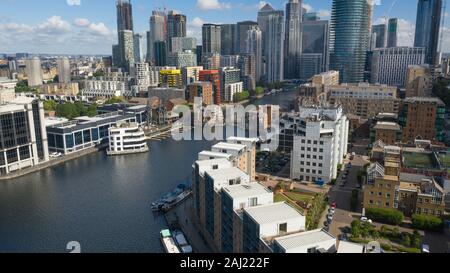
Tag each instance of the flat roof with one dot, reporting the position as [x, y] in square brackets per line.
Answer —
[412, 177]
[304, 239]
[272, 213]
[348, 248]
[247, 190]
[228, 173]
[383, 125]
[215, 154]
[6, 108]
[229, 146]
[202, 163]
[23, 100]
[243, 139]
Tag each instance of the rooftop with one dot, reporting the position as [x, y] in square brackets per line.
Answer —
[347, 247]
[214, 154]
[414, 178]
[272, 213]
[226, 174]
[382, 125]
[229, 146]
[304, 239]
[419, 160]
[424, 99]
[247, 190]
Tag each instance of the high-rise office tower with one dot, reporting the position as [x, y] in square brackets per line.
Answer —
[310, 65]
[157, 33]
[176, 26]
[211, 38]
[392, 32]
[116, 55]
[139, 48]
[350, 38]
[34, 71]
[180, 44]
[199, 52]
[428, 24]
[160, 53]
[64, 72]
[247, 65]
[228, 39]
[293, 39]
[253, 46]
[124, 15]
[241, 32]
[271, 23]
[126, 47]
[381, 37]
[316, 40]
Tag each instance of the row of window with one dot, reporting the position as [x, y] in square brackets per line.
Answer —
[302, 170]
[379, 203]
[315, 142]
[388, 195]
[309, 149]
[311, 156]
[314, 164]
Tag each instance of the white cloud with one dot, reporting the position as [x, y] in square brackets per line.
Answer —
[212, 5]
[56, 35]
[74, 2]
[322, 13]
[197, 22]
[82, 22]
[406, 30]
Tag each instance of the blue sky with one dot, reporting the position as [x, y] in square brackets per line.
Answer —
[89, 26]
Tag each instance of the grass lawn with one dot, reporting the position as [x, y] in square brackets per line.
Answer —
[299, 197]
[419, 160]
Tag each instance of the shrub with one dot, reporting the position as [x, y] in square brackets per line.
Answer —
[426, 222]
[387, 216]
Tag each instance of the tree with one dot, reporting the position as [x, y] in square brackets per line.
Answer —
[388, 216]
[92, 110]
[427, 222]
[115, 100]
[241, 96]
[50, 105]
[406, 240]
[356, 229]
[98, 73]
[22, 86]
[259, 90]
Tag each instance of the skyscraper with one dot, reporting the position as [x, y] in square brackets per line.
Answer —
[381, 37]
[116, 59]
[160, 53]
[228, 39]
[176, 26]
[293, 40]
[316, 40]
[241, 32]
[428, 28]
[392, 32]
[254, 47]
[124, 15]
[350, 38]
[64, 72]
[211, 38]
[271, 23]
[126, 47]
[34, 71]
[157, 33]
[125, 33]
[139, 48]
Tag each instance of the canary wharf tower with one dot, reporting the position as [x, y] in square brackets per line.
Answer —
[350, 38]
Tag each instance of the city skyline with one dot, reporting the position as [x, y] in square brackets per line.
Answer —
[77, 26]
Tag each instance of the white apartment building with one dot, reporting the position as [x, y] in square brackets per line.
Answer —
[127, 138]
[320, 144]
[142, 76]
[231, 89]
[390, 65]
[106, 89]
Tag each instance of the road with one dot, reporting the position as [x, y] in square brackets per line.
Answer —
[341, 194]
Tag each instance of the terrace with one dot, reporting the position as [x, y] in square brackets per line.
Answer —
[420, 161]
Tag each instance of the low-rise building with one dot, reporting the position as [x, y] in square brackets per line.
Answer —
[84, 132]
[126, 138]
[61, 89]
[363, 99]
[170, 78]
[203, 90]
[314, 241]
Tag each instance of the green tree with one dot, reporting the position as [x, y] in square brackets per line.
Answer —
[406, 240]
[259, 90]
[50, 105]
[22, 86]
[388, 216]
[115, 100]
[427, 222]
[98, 73]
[92, 110]
[241, 96]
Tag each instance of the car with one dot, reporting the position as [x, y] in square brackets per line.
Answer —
[334, 205]
[331, 210]
[330, 218]
[343, 237]
[366, 220]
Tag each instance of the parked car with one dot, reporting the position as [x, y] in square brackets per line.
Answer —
[366, 220]
[343, 237]
[334, 205]
[331, 210]
[330, 217]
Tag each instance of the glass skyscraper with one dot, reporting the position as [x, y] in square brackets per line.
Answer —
[350, 38]
[392, 32]
[293, 39]
[427, 28]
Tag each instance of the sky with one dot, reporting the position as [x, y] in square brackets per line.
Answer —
[89, 26]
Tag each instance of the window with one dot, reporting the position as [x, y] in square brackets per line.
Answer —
[309, 141]
[253, 202]
[321, 150]
[312, 250]
[282, 229]
[315, 150]
[309, 149]
[320, 157]
[215, 167]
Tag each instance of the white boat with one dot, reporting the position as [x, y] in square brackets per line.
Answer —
[168, 242]
[182, 243]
